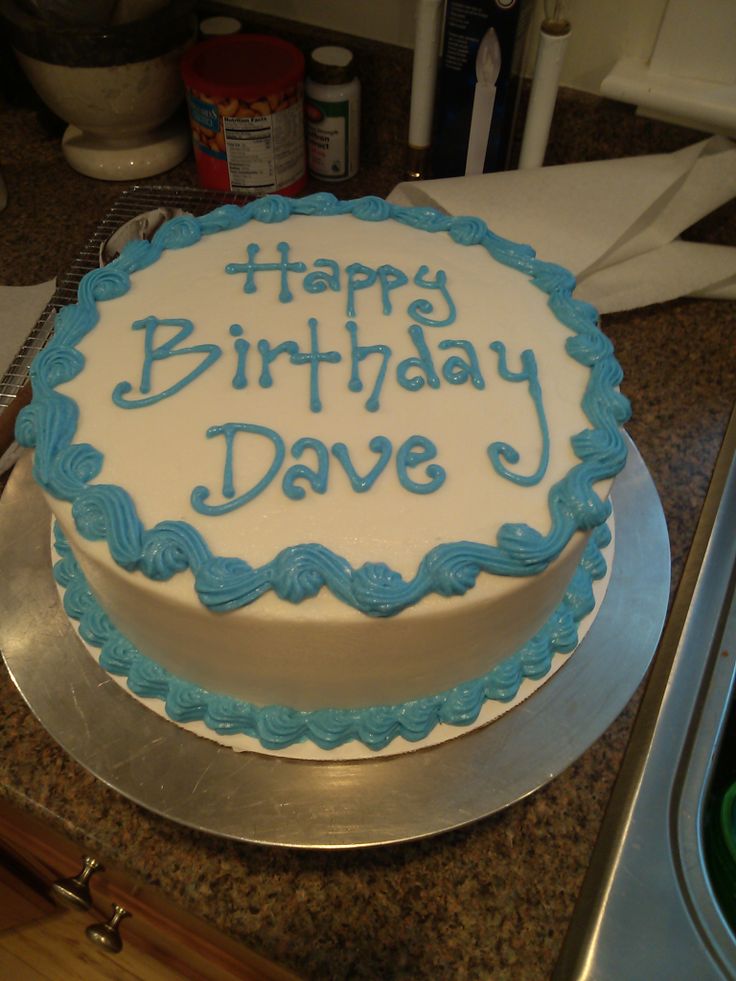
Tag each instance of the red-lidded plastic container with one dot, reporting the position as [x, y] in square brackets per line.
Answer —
[246, 107]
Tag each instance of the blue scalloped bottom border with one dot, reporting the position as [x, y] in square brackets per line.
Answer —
[277, 727]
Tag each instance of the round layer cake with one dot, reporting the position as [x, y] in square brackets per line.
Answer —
[330, 462]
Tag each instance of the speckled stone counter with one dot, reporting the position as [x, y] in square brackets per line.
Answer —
[492, 900]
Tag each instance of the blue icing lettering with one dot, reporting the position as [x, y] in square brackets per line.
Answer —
[358, 354]
[423, 362]
[317, 479]
[360, 277]
[283, 267]
[380, 445]
[420, 309]
[313, 358]
[318, 281]
[499, 451]
[326, 275]
[413, 452]
[269, 355]
[457, 370]
[200, 494]
[241, 347]
[168, 349]
[390, 278]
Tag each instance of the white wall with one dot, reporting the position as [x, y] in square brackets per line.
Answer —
[391, 21]
[603, 30]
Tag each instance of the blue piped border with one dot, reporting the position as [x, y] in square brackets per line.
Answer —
[67, 469]
[277, 727]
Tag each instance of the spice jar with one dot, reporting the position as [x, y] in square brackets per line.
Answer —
[332, 102]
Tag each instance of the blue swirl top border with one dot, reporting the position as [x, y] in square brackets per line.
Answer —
[279, 726]
[106, 512]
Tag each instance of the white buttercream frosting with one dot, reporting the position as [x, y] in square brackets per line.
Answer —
[481, 474]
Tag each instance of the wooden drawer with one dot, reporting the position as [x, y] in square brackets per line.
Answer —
[156, 929]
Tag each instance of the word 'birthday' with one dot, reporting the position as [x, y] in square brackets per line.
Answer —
[455, 360]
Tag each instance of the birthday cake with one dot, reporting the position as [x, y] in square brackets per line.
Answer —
[327, 471]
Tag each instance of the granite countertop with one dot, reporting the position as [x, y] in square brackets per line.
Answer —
[492, 900]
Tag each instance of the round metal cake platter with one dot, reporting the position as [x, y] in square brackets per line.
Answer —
[262, 799]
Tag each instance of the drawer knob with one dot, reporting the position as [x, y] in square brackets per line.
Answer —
[75, 891]
[107, 935]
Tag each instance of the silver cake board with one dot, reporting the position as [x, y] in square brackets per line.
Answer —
[305, 804]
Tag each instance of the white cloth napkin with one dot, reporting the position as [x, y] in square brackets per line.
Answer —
[614, 223]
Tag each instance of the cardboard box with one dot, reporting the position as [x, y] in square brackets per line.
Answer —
[483, 39]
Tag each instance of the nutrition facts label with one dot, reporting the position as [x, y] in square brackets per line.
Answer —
[265, 153]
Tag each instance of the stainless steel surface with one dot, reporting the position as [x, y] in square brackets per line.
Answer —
[75, 891]
[256, 798]
[647, 909]
[107, 935]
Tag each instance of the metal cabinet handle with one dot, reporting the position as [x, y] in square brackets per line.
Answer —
[75, 891]
[107, 935]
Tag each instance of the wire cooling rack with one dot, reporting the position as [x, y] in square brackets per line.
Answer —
[130, 204]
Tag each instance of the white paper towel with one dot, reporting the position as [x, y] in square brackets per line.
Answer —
[614, 223]
[20, 308]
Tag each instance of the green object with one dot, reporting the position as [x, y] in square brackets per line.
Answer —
[721, 849]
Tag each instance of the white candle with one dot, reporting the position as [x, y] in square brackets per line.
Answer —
[487, 68]
[424, 72]
[553, 38]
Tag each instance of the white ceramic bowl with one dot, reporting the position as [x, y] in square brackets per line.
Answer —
[120, 116]
[117, 85]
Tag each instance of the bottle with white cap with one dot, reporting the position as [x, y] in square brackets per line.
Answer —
[219, 27]
[332, 105]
